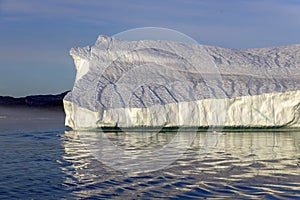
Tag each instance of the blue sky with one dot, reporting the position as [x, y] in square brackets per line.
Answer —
[36, 35]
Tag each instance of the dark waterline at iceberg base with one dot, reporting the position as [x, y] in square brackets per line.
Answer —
[53, 164]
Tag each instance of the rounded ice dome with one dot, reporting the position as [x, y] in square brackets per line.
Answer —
[154, 33]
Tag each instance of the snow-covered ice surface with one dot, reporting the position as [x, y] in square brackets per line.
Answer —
[170, 84]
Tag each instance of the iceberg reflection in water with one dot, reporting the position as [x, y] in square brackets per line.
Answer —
[243, 164]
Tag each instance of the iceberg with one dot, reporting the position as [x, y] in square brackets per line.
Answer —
[152, 83]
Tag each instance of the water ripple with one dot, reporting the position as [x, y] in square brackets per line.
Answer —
[57, 164]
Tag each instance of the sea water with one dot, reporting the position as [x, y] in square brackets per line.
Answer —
[40, 159]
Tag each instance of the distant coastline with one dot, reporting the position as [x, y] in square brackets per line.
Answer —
[37, 101]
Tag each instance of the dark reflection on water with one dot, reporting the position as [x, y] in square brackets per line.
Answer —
[30, 165]
[57, 164]
[240, 164]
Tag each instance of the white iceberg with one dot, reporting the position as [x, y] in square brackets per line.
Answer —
[171, 84]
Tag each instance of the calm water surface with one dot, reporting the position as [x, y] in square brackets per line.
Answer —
[50, 162]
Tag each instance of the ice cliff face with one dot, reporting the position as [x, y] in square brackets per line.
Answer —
[167, 84]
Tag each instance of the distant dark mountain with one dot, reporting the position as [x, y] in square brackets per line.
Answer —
[34, 100]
